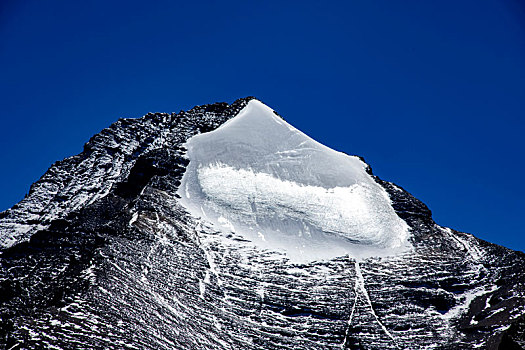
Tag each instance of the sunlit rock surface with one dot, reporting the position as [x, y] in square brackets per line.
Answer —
[149, 239]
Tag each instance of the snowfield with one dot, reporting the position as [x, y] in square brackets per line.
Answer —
[259, 177]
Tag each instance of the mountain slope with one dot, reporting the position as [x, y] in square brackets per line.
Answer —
[108, 251]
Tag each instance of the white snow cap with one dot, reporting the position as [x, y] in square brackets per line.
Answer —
[258, 176]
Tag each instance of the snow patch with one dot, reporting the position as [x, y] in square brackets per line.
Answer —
[258, 176]
[133, 218]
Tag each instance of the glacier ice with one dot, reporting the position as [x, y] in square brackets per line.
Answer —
[259, 177]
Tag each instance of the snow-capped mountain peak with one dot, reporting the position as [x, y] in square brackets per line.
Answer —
[260, 177]
[223, 227]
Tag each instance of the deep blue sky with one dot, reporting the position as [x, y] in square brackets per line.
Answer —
[431, 93]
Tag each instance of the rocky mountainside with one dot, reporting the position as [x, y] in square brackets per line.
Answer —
[145, 240]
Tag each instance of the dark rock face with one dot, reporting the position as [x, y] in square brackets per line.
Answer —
[101, 254]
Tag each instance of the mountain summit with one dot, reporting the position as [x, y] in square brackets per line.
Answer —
[258, 176]
[224, 227]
